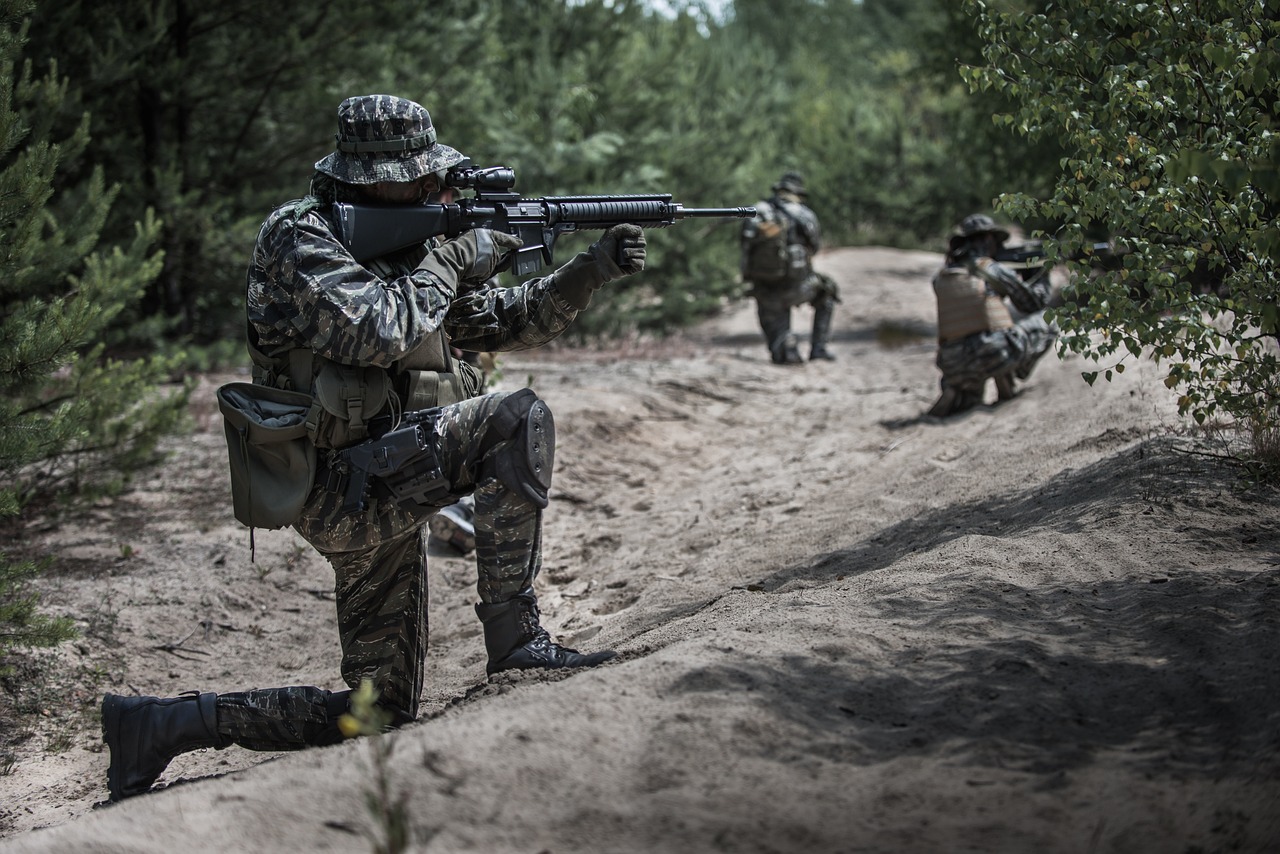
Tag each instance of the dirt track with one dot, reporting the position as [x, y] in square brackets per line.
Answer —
[1039, 626]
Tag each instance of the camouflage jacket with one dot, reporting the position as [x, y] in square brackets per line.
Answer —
[1027, 297]
[306, 291]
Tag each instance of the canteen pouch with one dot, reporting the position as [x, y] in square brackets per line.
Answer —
[273, 461]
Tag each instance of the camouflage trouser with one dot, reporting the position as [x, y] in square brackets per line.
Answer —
[774, 304]
[379, 559]
[968, 363]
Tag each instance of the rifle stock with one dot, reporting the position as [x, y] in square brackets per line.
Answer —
[370, 231]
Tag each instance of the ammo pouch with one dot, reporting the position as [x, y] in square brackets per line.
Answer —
[273, 462]
[432, 377]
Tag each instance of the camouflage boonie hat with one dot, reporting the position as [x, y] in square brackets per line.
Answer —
[385, 138]
[978, 224]
[791, 182]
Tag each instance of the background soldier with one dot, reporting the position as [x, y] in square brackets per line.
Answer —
[778, 246]
[979, 336]
[371, 342]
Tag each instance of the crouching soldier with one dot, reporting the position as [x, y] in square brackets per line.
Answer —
[978, 335]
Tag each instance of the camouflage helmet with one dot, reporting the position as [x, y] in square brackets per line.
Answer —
[791, 182]
[978, 224]
[385, 138]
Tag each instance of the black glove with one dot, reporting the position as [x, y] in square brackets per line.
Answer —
[474, 255]
[624, 245]
[620, 252]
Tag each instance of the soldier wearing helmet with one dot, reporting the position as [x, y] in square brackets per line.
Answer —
[991, 322]
[369, 342]
[778, 245]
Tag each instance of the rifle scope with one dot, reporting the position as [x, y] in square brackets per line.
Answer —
[491, 179]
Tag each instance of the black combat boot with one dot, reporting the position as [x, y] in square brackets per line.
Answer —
[822, 314]
[786, 350]
[1006, 388]
[145, 733]
[516, 641]
[954, 401]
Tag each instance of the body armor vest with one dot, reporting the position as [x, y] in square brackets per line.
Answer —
[966, 305]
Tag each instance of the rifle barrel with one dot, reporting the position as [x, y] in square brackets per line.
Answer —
[741, 213]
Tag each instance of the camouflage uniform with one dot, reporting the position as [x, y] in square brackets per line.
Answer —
[388, 330]
[979, 337]
[774, 300]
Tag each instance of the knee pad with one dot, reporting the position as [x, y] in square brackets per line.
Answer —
[828, 291]
[525, 448]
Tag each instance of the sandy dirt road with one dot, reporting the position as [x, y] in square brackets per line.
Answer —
[1043, 626]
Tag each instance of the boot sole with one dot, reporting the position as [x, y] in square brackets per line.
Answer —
[110, 736]
[585, 661]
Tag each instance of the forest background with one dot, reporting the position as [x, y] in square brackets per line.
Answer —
[212, 114]
[143, 142]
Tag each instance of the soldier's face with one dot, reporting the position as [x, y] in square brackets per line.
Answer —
[403, 192]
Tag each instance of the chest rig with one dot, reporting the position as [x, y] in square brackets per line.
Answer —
[346, 398]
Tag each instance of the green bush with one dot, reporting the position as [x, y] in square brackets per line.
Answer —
[1168, 115]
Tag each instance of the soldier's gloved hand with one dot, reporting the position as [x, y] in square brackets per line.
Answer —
[476, 254]
[624, 246]
[620, 252]
[977, 262]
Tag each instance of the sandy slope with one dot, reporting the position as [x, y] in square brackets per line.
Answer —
[1042, 626]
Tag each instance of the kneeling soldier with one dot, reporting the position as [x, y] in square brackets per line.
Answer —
[371, 343]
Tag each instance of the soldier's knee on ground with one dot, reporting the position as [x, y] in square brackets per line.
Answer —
[524, 453]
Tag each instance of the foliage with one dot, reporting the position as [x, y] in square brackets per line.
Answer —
[214, 113]
[206, 112]
[608, 98]
[71, 420]
[21, 625]
[1169, 114]
[389, 809]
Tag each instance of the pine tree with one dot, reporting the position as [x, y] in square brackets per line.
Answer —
[73, 422]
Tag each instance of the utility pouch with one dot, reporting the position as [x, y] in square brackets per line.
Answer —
[798, 264]
[273, 462]
[349, 396]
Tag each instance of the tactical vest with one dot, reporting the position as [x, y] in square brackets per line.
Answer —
[347, 397]
[966, 305]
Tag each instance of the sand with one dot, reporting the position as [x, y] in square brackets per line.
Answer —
[1047, 625]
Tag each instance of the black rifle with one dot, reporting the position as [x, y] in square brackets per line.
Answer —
[1029, 258]
[370, 231]
[1032, 254]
